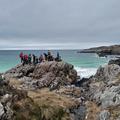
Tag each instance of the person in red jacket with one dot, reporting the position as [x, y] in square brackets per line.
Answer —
[21, 57]
[26, 59]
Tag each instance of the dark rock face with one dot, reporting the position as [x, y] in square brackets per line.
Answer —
[104, 53]
[117, 62]
[47, 74]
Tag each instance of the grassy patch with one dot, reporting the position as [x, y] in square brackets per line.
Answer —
[42, 105]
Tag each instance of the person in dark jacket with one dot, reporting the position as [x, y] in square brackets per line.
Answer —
[41, 58]
[50, 57]
[46, 56]
[29, 59]
[58, 58]
[34, 59]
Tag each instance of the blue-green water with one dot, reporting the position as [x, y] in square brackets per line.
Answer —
[85, 63]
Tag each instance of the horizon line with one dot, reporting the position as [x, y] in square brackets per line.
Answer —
[56, 48]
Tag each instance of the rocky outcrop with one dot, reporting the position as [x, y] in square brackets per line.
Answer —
[50, 90]
[47, 74]
[41, 92]
[104, 89]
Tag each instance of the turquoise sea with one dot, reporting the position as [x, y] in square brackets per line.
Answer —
[86, 64]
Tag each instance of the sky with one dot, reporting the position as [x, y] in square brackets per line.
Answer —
[59, 24]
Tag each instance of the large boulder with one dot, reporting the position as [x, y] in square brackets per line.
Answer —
[107, 73]
[104, 90]
[110, 97]
[47, 74]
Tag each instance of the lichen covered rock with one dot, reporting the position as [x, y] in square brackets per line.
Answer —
[47, 74]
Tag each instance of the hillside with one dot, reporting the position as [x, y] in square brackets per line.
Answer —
[103, 50]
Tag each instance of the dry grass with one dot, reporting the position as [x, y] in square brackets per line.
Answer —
[42, 104]
[15, 83]
[69, 91]
[46, 97]
[92, 111]
[115, 112]
[27, 109]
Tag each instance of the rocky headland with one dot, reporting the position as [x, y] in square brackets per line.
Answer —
[39, 92]
[50, 91]
[103, 50]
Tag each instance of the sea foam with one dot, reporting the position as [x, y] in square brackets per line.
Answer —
[86, 72]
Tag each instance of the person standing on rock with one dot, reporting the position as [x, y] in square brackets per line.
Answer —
[50, 57]
[21, 57]
[40, 58]
[26, 59]
[29, 58]
[58, 58]
[34, 59]
[46, 56]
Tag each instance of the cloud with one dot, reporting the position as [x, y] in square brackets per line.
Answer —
[24, 22]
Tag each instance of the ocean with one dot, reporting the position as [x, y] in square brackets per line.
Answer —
[86, 64]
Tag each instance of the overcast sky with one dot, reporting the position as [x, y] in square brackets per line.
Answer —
[53, 24]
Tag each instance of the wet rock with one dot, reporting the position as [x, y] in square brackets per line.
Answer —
[82, 82]
[116, 61]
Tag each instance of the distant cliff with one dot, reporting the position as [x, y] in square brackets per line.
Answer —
[103, 50]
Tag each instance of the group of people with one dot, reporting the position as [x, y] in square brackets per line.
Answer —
[33, 59]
